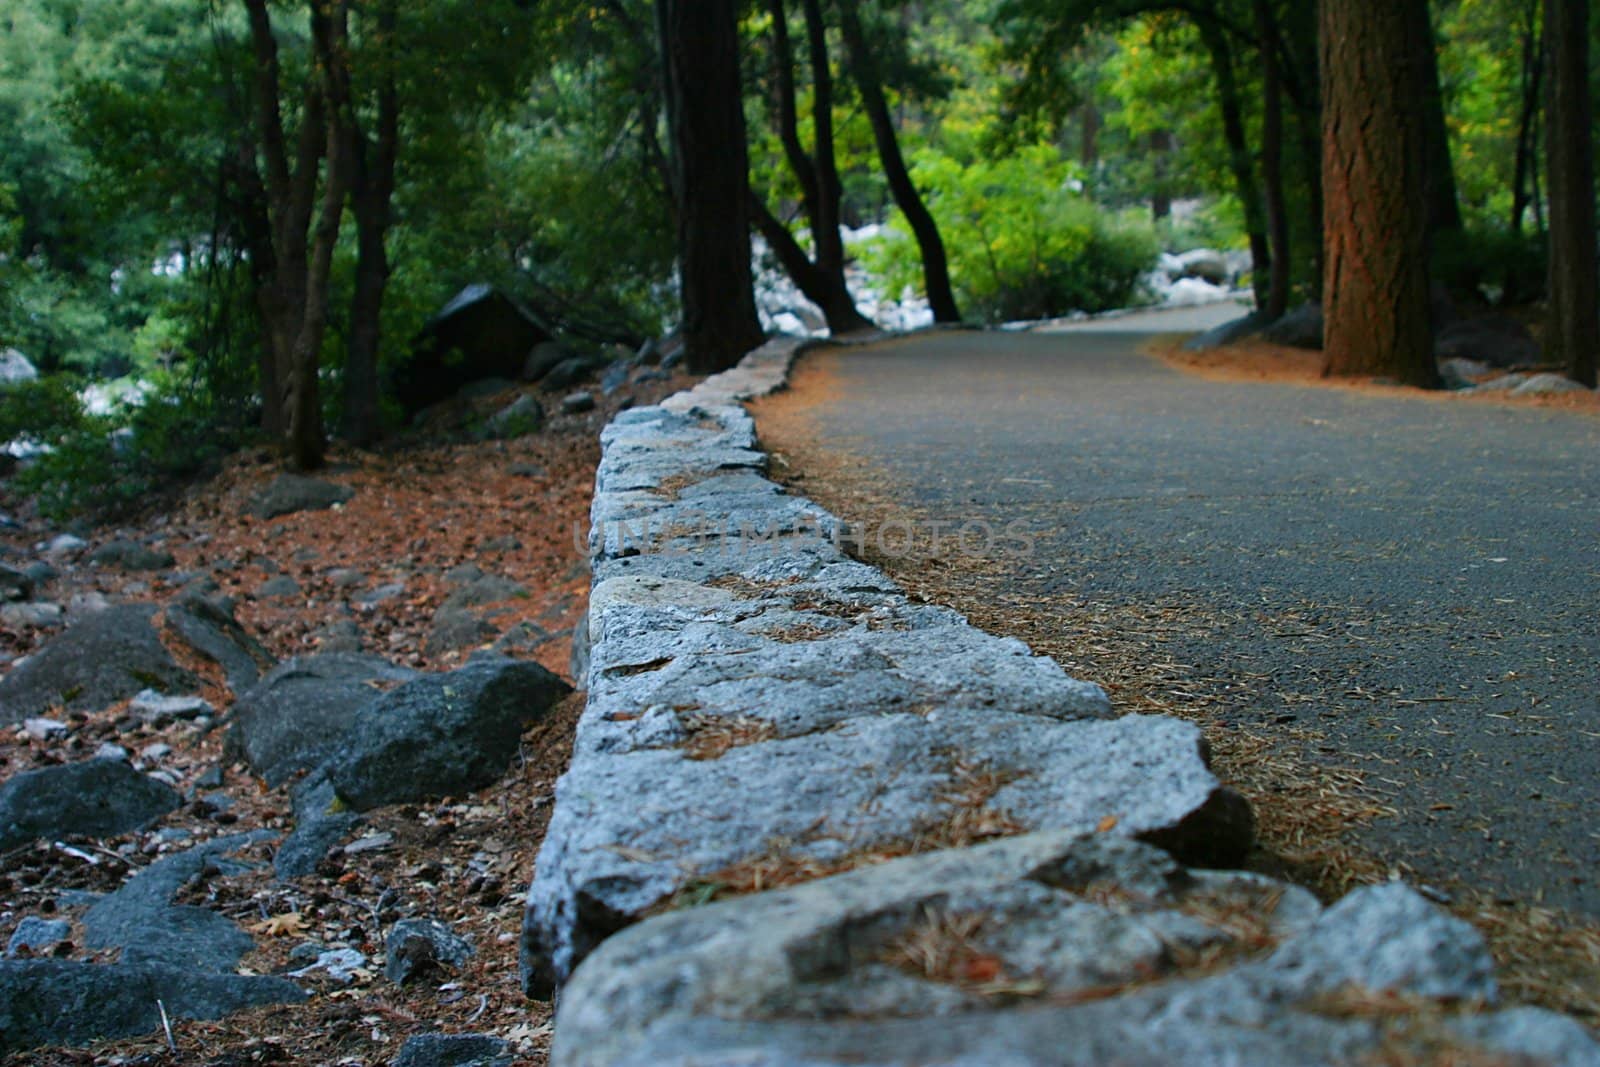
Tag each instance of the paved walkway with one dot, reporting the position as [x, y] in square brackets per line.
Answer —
[1417, 579]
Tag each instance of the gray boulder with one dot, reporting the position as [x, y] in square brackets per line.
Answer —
[131, 556]
[453, 1050]
[16, 367]
[40, 614]
[1043, 951]
[97, 798]
[577, 403]
[282, 586]
[416, 947]
[291, 493]
[545, 356]
[290, 720]
[1299, 328]
[570, 372]
[59, 1002]
[34, 934]
[517, 419]
[107, 656]
[140, 920]
[206, 624]
[1205, 264]
[441, 735]
[1498, 340]
[1228, 333]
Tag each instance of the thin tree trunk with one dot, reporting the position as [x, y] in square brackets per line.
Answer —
[1531, 85]
[1444, 209]
[1572, 325]
[1375, 294]
[826, 289]
[1160, 150]
[1272, 161]
[372, 191]
[935, 263]
[710, 179]
[1305, 97]
[1239, 162]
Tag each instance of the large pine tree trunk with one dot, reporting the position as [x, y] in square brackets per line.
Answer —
[1215, 39]
[1375, 292]
[700, 52]
[1277, 208]
[1572, 328]
[935, 264]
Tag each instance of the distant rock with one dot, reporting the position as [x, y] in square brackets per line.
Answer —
[570, 372]
[105, 657]
[544, 357]
[576, 403]
[1461, 373]
[155, 708]
[291, 493]
[1228, 333]
[1300, 328]
[97, 798]
[1504, 384]
[441, 734]
[289, 721]
[1498, 340]
[415, 947]
[453, 1050]
[1205, 264]
[38, 614]
[277, 588]
[14, 584]
[484, 589]
[206, 624]
[455, 629]
[341, 635]
[1549, 385]
[65, 545]
[16, 367]
[517, 419]
[131, 556]
[615, 377]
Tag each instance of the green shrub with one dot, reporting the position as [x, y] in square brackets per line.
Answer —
[1491, 263]
[1022, 242]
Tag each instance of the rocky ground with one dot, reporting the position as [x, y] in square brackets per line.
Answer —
[140, 866]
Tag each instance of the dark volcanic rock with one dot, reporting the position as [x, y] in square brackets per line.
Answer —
[98, 798]
[443, 734]
[207, 625]
[289, 721]
[290, 493]
[108, 656]
[59, 1002]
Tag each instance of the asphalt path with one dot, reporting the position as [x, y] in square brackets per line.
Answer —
[1418, 580]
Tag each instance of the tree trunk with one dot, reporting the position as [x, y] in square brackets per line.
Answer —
[820, 279]
[935, 264]
[1444, 209]
[1272, 161]
[1572, 324]
[710, 179]
[1531, 89]
[1161, 196]
[1239, 162]
[372, 191]
[1375, 294]
[1297, 51]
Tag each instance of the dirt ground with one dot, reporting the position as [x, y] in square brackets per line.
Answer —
[516, 508]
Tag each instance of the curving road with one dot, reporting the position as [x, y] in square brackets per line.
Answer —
[1417, 580]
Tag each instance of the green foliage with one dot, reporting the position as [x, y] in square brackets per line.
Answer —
[1492, 262]
[1024, 243]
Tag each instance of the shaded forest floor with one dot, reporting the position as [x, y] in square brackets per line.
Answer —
[516, 508]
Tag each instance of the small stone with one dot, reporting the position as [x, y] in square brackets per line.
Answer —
[454, 1050]
[291, 493]
[153, 707]
[1549, 385]
[36, 935]
[415, 946]
[44, 729]
[156, 752]
[575, 403]
[280, 587]
[340, 963]
[131, 556]
[369, 843]
[65, 544]
[526, 470]
[108, 750]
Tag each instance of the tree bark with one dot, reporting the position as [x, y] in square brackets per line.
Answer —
[1272, 161]
[1239, 161]
[1160, 151]
[1530, 83]
[1444, 209]
[710, 179]
[935, 263]
[1572, 324]
[1375, 293]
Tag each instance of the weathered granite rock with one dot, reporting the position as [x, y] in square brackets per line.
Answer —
[206, 624]
[131, 556]
[1228, 333]
[415, 947]
[440, 735]
[1549, 385]
[37, 935]
[1301, 327]
[141, 920]
[453, 1050]
[40, 613]
[290, 720]
[1047, 949]
[154, 708]
[60, 1002]
[291, 493]
[96, 798]
[107, 656]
